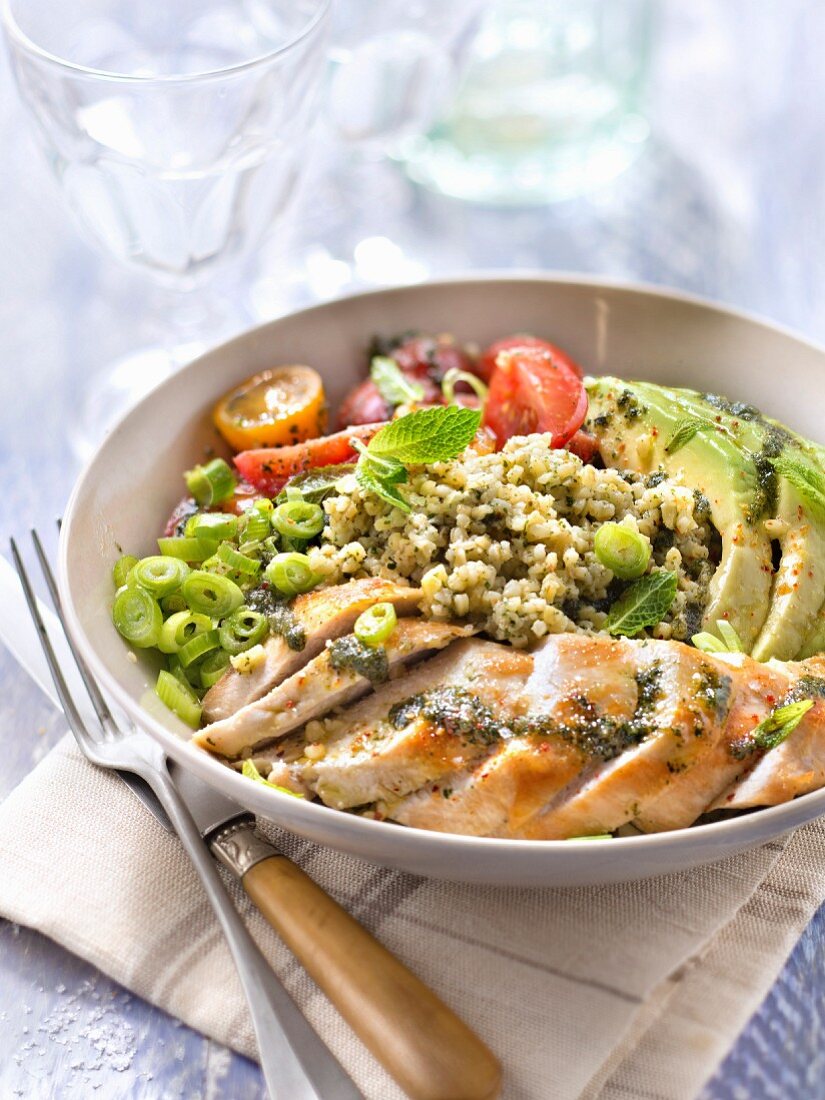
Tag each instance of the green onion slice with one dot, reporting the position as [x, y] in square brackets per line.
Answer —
[198, 646]
[291, 574]
[213, 667]
[212, 483]
[160, 575]
[211, 594]
[171, 604]
[180, 628]
[213, 526]
[138, 617]
[187, 549]
[298, 519]
[709, 643]
[237, 561]
[453, 376]
[375, 625]
[122, 568]
[622, 550]
[733, 643]
[255, 524]
[243, 629]
[179, 698]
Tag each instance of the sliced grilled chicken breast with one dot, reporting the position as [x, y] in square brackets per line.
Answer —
[651, 707]
[380, 752]
[323, 614]
[755, 691]
[318, 688]
[797, 765]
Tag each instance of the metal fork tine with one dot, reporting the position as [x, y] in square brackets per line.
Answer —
[98, 702]
[71, 712]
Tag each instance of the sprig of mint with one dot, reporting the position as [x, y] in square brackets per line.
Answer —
[392, 383]
[644, 603]
[430, 435]
[806, 478]
[684, 431]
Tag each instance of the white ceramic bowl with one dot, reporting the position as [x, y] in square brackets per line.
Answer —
[128, 489]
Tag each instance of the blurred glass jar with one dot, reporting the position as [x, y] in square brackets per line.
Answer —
[550, 106]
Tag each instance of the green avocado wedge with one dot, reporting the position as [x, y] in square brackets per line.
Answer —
[799, 579]
[634, 423]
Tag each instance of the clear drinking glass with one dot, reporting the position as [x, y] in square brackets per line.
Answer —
[177, 130]
[550, 106]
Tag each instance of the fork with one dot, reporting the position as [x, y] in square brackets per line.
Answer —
[295, 1062]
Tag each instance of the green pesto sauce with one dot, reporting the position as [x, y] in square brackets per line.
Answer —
[595, 734]
[282, 621]
[351, 655]
[713, 691]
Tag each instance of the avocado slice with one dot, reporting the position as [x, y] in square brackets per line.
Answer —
[633, 423]
[799, 580]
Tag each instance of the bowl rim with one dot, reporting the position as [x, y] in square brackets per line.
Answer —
[739, 831]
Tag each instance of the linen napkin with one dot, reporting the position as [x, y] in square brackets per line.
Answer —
[610, 992]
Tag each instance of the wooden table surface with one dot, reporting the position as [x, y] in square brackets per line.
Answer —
[728, 201]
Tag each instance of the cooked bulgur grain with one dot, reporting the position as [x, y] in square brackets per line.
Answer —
[506, 540]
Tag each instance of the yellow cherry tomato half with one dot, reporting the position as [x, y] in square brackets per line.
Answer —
[277, 407]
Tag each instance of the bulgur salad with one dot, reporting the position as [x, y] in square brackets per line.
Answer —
[499, 598]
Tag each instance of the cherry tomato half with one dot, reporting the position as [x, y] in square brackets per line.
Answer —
[279, 406]
[269, 468]
[487, 362]
[533, 389]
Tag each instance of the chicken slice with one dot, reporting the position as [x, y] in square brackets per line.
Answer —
[493, 799]
[318, 687]
[323, 614]
[797, 765]
[658, 702]
[755, 689]
[519, 779]
[375, 753]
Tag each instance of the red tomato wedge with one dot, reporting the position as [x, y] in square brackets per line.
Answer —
[269, 468]
[487, 363]
[533, 389]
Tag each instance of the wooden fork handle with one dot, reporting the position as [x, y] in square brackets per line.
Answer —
[429, 1051]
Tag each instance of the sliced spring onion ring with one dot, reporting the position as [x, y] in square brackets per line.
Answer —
[256, 525]
[243, 629]
[291, 574]
[375, 625]
[179, 698]
[211, 483]
[213, 667]
[213, 526]
[453, 376]
[237, 561]
[197, 646]
[187, 549]
[122, 568]
[160, 575]
[180, 628]
[171, 604]
[298, 519]
[211, 594]
[733, 643]
[622, 550]
[138, 617]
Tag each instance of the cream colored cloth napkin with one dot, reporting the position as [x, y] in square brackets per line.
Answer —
[616, 991]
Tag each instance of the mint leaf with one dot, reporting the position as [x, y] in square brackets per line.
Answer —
[381, 480]
[251, 772]
[773, 730]
[805, 477]
[393, 385]
[644, 603]
[684, 431]
[431, 435]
